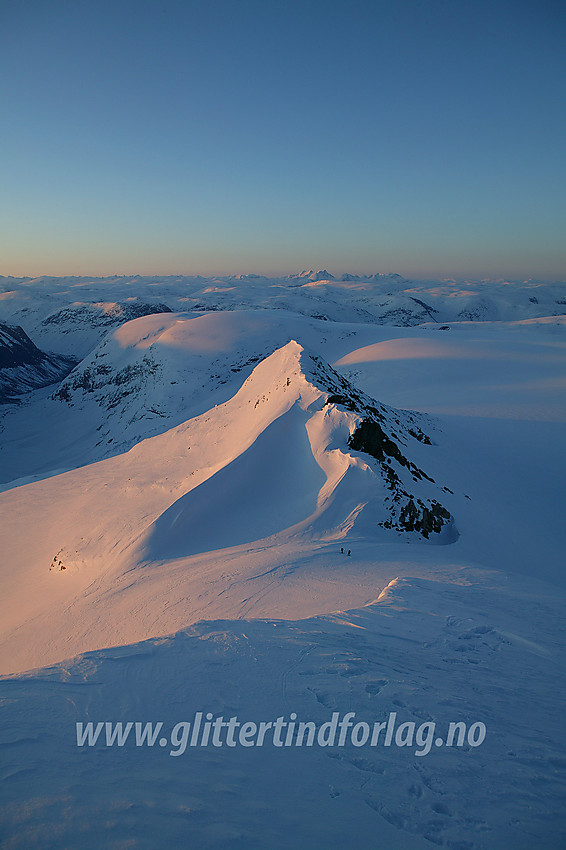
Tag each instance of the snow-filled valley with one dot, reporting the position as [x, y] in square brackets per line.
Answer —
[258, 498]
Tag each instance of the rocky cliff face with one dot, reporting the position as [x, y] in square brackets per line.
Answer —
[24, 367]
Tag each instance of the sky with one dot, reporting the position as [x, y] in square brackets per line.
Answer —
[424, 137]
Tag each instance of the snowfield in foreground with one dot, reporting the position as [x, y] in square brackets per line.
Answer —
[262, 499]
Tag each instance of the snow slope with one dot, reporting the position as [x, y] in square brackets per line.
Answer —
[143, 378]
[426, 650]
[273, 460]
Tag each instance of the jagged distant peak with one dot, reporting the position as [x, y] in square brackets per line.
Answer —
[310, 274]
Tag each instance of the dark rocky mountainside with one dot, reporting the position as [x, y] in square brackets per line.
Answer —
[24, 367]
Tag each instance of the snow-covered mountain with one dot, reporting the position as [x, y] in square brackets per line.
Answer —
[306, 495]
[296, 457]
[321, 274]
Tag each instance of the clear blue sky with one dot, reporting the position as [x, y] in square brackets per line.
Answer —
[426, 137]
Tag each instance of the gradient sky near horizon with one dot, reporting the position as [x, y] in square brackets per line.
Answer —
[425, 137]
